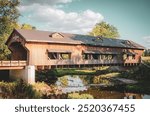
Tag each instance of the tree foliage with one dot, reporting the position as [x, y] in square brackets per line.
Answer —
[26, 26]
[8, 20]
[146, 52]
[105, 30]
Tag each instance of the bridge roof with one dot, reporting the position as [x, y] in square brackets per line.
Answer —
[67, 38]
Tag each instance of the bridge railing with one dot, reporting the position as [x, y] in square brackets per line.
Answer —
[13, 63]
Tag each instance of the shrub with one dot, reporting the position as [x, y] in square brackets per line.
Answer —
[63, 80]
[105, 78]
[47, 76]
[24, 90]
[46, 90]
[17, 90]
[79, 96]
[141, 72]
[7, 89]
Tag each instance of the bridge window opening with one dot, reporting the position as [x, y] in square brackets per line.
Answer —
[133, 56]
[95, 56]
[104, 57]
[110, 57]
[125, 56]
[129, 57]
[53, 55]
[86, 56]
[62, 56]
[65, 56]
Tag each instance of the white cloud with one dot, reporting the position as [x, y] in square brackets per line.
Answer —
[147, 39]
[54, 19]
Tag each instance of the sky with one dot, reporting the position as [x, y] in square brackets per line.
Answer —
[130, 17]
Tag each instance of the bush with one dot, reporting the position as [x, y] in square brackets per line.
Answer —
[63, 80]
[79, 96]
[24, 90]
[17, 90]
[104, 78]
[140, 73]
[45, 90]
[7, 89]
[47, 76]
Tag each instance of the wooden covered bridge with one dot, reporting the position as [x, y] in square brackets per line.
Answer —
[32, 50]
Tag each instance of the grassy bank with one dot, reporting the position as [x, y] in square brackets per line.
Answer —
[51, 76]
[74, 71]
[21, 90]
[141, 74]
[140, 88]
[62, 72]
[17, 90]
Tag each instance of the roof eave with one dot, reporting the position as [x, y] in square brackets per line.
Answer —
[140, 48]
[38, 41]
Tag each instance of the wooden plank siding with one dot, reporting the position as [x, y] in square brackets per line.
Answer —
[33, 46]
[38, 54]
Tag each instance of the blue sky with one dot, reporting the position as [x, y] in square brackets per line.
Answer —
[131, 17]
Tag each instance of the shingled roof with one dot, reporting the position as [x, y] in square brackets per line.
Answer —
[46, 36]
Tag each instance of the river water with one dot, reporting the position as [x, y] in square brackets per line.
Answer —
[81, 85]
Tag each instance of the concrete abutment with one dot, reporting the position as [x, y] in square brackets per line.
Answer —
[27, 74]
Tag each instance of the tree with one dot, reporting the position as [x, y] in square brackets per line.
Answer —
[27, 26]
[105, 30]
[8, 20]
[146, 52]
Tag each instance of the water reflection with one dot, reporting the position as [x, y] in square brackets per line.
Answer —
[76, 83]
[103, 94]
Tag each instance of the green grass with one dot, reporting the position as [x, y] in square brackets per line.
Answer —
[143, 88]
[62, 72]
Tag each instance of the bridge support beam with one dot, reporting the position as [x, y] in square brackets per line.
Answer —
[27, 74]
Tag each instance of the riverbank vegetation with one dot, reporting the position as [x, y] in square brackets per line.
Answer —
[21, 90]
[141, 74]
[104, 75]
[50, 76]
[79, 96]
[17, 90]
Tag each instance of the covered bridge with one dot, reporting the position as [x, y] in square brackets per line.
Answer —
[45, 50]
